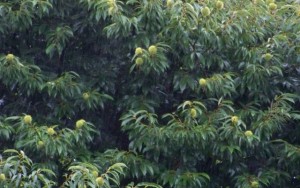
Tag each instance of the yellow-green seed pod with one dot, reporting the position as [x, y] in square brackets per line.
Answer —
[9, 57]
[139, 61]
[2, 177]
[100, 181]
[205, 11]
[248, 133]
[152, 50]
[193, 113]
[170, 3]
[85, 96]
[254, 184]
[267, 56]
[80, 123]
[272, 6]
[138, 51]
[220, 5]
[95, 173]
[234, 120]
[50, 131]
[40, 144]
[202, 82]
[27, 119]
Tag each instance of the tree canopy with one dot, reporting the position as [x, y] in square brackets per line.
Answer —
[149, 93]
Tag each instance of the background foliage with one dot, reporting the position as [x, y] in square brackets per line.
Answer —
[136, 93]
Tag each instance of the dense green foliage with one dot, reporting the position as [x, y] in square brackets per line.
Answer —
[149, 93]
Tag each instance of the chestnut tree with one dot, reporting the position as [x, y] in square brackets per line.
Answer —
[149, 93]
